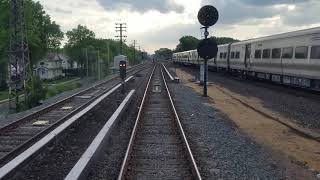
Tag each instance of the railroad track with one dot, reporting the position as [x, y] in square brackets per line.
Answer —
[21, 134]
[158, 147]
[56, 153]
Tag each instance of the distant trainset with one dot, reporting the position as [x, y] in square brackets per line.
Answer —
[290, 58]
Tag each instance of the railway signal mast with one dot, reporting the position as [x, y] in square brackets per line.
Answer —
[207, 48]
[19, 59]
[121, 27]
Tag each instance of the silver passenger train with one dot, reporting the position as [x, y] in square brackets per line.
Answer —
[291, 58]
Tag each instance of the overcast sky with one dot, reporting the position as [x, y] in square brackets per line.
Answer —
[160, 23]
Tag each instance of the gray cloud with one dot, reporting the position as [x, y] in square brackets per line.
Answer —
[63, 11]
[304, 14]
[163, 6]
[272, 2]
[238, 11]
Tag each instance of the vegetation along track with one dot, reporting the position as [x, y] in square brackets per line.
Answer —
[24, 132]
[158, 148]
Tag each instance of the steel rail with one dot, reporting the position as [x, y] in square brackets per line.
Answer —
[185, 140]
[16, 162]
[29, 142]
[79, 170]
[170, 76]
[134, 131]
[44, 109]
[124, 166]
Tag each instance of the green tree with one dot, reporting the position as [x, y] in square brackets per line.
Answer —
[79, 40]
[54, 36]
[82, 44]
[4, 41]
[187, 43]
[36, 92]
[163, 54]
[224, 40]
[43, 35]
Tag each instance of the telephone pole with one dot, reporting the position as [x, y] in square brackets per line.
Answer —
[87, 62]
[98, 65]
[139, 47]
[19, 59]
[121, 27]
[134, 50]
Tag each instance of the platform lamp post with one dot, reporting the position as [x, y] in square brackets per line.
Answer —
[207, 48]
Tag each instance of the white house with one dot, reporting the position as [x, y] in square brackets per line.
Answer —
[50, 67]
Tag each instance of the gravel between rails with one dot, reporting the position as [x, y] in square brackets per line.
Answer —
[301, 110]
[219, 149]
[109, 164]
[57, 160]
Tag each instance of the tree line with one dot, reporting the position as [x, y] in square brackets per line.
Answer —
[45, 35]
[82, 45]
[187, 43]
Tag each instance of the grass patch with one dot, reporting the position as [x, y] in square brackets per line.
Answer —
[4, 95]
[58, 81]
[59, 88]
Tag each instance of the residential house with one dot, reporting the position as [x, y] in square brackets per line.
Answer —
[50, 67]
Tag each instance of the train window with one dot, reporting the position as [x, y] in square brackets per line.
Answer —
[232, 55]
[287, 53]
[276, 53]
[315, 52]
[221, 55]
[257, 54]
[266, 53]
[301, 52]
[237, 55]
[225, 55]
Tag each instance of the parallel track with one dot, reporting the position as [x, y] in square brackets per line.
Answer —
[21, 134]
[158, 148]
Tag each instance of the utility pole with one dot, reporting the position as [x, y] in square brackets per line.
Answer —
[87, 59]
[121, 27]
[98, 65]
[108, 62]
[108, 51]
[19, 59]
[139, 47]
[134, 50]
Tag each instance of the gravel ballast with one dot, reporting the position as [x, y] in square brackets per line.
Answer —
[221, 151]
[58, 159]
[110, 161]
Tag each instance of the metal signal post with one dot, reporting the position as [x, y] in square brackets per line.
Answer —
[207, 48]
[205, 78]
[123, 73]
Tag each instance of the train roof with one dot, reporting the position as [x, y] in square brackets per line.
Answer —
[315, 30]
[185, 51]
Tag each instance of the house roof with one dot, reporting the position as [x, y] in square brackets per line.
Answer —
[52, 57]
